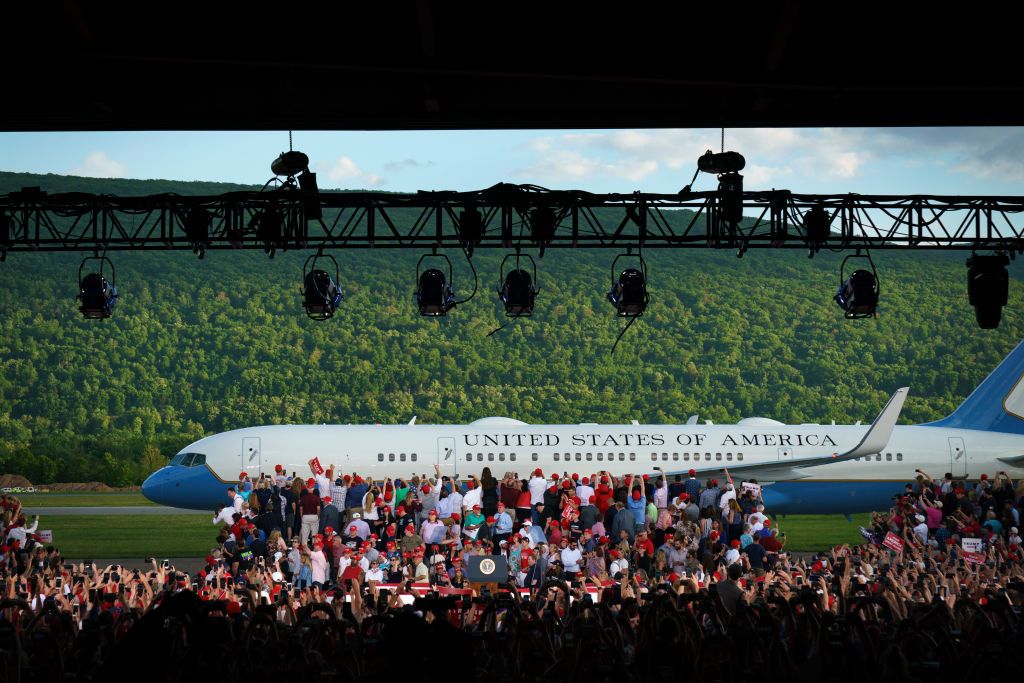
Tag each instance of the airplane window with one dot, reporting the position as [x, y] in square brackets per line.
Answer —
[535, 457]
[878, 457]
[380, 457]
[490, 457]
[469, 456]
[707, 456]
[632, 456]
[479, 457]
[590, 456]
[739, 456]
[177, 460]
[675, 456]
[718, 456]
[600, 457]
[579, 456]
[664, 456]
[391, 457]
[401, 457]
[686, 456]
[186, 460]
[413, 457]
[654, 456]
[899, 456]
[556, 457]
[200, 459]
[888, 456]
[501, 457]
[512, 457]
[728, 456]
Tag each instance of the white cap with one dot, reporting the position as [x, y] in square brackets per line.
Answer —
[527, 522]
[356, 515]
[1013, 529]
[919, 518]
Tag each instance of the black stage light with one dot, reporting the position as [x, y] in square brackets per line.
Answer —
[988, 286]
[722, 162]
[197, 229]
[542, 226]
[629, 291]
[290, 164]
[321, 294]
[858, 294]
[434, 295]
[268, 230]
[471, 228]
[517, 291]
[96, 293]
[311, 196]
[816, 227]
[730, 197]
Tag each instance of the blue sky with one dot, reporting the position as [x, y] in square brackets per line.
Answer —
[962, 161]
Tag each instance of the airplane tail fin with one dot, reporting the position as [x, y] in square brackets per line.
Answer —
[997, 404]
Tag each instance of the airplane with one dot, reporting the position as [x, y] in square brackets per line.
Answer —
[803, 469]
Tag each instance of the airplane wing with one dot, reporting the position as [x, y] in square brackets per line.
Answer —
[1013, 460]
[874, 441]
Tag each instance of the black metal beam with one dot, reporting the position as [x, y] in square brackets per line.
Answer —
[276, 220]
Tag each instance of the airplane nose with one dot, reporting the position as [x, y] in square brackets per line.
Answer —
[155, 487]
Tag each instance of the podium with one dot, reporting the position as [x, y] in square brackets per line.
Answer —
[487, 572]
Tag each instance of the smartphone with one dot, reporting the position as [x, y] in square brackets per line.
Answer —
[167, 564]
[297, 592]
[116, 568]
[116, 578]
[58, 582]
[799, 580]
[941, 592]
[106, 577]
[195, 587]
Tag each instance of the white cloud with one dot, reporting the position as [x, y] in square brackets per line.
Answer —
[396, 166]
[99, 165]
[344, 170]
[571, 166]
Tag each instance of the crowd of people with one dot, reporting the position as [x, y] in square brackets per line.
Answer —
[628, 577]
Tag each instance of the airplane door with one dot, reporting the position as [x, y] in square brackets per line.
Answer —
[785, 454]
[251, 457]
[446, 459]
[957, 457]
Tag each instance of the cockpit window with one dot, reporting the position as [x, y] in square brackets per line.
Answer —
[189, 459]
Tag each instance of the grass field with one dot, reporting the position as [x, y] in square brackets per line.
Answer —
[96, 536]
[84, 499]
[93, 536]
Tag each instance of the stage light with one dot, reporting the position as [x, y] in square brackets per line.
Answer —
[321, 294]
[988, 286]
[816, 228]
[858, 294]
[517, 291]
[542, 226]
[470, 228]
[434, 295]
[96, 293]
[268, 229]
[629, 290]
[311, 196]
[730, 198]
[723, 162]
[289, 164]
[197, 230]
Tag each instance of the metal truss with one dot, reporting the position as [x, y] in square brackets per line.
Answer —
[512, 217]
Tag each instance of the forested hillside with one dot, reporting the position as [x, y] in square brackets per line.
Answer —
[197, 347]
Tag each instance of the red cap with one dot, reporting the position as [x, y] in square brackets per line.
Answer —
[501, 506]
[242, 475]
[389, 544]
[604, 540]
[984, 477]
[554, 476]
[566, 484]
[646, 477]
[553, 489]
[591, 499]
[693, 472]
[353, 528]
[328, 529]
[476, 507]
[456, 516]
[586, 481]
[358, 480]
[346, 478]
[636, 495]
[426, 488]
[210, 559]
[817, 567]
[604, 480]
[714, 534]
[565, 524]
[410, 527]
[490, 520]
[575, 476]
[471, 484]
[310, 483]
[327, 500]
[734, 543]
[278, 468]
[767, 522]
[378, 501]
[432, 513]
[538, 473]
[614, 554]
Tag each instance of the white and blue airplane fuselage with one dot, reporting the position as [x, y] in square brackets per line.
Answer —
[807, 468]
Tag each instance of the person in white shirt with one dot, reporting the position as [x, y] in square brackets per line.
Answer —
[236, 500]
[226, 515]
[730, 494]
[318, 564]
[537, 485]
[584, 491]
[619, 564]
[20, 532]
[921, 530]
[571, 557]
[375, 573]
[474, 496]
[661, 493]
[756, 519]
[455, 498]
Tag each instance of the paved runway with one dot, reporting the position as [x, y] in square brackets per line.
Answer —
[114, 510]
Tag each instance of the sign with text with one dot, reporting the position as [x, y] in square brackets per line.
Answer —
[972, 550]
[893, 542]
[752, 488]
[46, 536]
[315, 465]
